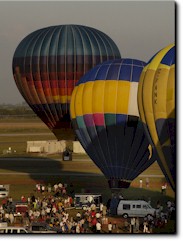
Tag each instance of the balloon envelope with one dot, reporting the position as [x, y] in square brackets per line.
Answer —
[48, 63]
[105, 117]
[156, 101]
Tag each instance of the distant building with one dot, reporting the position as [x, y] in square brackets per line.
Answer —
[77, 147]
[52, 146]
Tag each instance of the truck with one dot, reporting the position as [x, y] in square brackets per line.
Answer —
[87, 199]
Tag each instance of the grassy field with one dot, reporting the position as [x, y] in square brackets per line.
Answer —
[24, 184]
[15, 133]
[22, 124]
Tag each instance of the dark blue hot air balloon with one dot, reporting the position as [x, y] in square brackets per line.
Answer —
[106, 120]
[49, 62]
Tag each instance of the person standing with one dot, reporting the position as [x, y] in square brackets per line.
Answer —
[10, 200]
[145, 230]
[55, 187]
[98, 215]
[78, 216]
[42, 189]
[104, 211]
[49, 188]
[165, 187]
[140, 183]
[132, 224]
[98, 227]
[23, 199]
[110, 227]
[11, 218]
[78, 228]
[147, 182]
[101, 207]
[137, 225]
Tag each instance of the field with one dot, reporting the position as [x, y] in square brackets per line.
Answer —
[22, 170]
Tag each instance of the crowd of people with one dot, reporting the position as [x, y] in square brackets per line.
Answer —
[54, 204]
[149, 223]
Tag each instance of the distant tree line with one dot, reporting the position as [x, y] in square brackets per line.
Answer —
[19, 110]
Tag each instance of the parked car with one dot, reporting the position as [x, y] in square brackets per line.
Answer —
[14, 230]
[41, 227]
[21, 207]
[67, 155]
[3, 192]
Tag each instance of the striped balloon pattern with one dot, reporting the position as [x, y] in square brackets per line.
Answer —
[156, 101]
[105, 117]
[49, 62]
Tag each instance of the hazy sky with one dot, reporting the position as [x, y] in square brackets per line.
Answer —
[139, 28]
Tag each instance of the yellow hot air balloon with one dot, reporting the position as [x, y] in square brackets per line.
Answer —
[156, 102]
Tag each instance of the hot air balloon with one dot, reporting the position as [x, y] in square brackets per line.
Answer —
[48, 63]
[156, 101]
[105, 117]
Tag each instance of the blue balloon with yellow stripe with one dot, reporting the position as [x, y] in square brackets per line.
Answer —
[156, 101]
[105, 117]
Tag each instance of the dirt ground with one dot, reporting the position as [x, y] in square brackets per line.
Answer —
[24, 125]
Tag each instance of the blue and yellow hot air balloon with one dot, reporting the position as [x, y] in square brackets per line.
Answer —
[156, 101]
[105, 117]
[48, 63]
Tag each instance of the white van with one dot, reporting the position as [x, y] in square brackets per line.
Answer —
[13, 230]
[134, 208]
